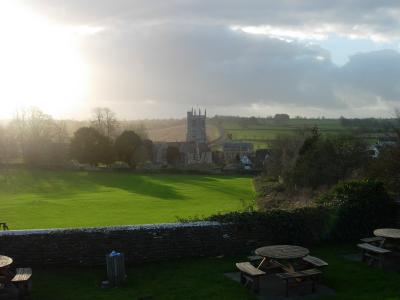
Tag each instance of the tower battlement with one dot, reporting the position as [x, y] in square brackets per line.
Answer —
[196, 126]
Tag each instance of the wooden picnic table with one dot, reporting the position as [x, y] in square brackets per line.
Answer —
[391, 238]
[287, 253]
[388, 233]
[5, 274]
[14, 284]
[5, 261]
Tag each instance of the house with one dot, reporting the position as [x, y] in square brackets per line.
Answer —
[234, 150]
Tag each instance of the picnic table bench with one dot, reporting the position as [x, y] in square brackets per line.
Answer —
[299, 276]
[375, 240]
[248, 270]
[372, 252]
[22, 280]
[315, 261]
[254, 258]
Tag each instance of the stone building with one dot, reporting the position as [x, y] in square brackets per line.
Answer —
[195, 150]
[196, 127]
[189, 153]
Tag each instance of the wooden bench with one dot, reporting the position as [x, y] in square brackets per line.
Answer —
[375, 240]
[300, 276]
[372, 252]
[22, 281]
[248, 270]
[315, 261]
[253, 258]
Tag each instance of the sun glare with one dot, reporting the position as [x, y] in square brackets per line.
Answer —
[40, 63]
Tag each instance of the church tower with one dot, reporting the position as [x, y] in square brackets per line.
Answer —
[196, 127]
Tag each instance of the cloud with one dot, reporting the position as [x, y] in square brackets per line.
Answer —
[208, 64]
[377, 20]
[376, 73]
[183, 53]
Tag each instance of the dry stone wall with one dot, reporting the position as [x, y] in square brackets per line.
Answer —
[140, 244]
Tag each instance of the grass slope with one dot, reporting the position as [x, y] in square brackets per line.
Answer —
[45, 199]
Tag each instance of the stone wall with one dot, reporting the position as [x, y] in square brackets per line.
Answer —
[143, 243]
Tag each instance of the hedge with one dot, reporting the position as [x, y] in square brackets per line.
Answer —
[299, 226]
[349, 211]
[359, 207]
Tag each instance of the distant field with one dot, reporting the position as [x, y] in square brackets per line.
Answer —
[46, 199]
[262, 134]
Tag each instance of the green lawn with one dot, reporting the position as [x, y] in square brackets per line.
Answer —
[203, 279]
[356, 280]
[188, 279]
[45, 199]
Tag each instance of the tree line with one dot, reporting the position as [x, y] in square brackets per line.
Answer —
[310, 160]
[36, 139]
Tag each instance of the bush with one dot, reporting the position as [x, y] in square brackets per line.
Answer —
[266, 185]
[326, 160]
[359, 207]
[301, 226]
[387, 169]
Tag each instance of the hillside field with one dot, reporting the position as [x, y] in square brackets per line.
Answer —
[59, 199]
[260, 135]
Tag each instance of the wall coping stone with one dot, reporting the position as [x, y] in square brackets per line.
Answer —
[110, 229]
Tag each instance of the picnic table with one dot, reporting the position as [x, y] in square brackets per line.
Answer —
[5, 261]
[5, 274]
[390, 238]
[279, 253]
[286, 258]
[14, 284]
[388, 233]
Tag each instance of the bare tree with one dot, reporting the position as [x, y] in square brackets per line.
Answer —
[60, 132]
[32, 123]
[35, 133]
[8, 146]
[104, 121]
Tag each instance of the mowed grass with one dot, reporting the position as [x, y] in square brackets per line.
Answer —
[203, 278]
[195, 279]
[59, 199]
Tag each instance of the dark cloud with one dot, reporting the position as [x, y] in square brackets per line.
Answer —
[376, 73]
[182, 53]
[353, 16]
[210, 65]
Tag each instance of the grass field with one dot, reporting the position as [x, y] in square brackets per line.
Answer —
[260, 135]
[48, 199]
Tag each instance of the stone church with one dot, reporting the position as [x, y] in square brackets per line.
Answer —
[195, 150]
[196, 127]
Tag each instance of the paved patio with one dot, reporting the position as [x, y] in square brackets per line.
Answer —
[272, 288]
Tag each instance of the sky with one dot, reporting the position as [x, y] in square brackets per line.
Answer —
[158, 59]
